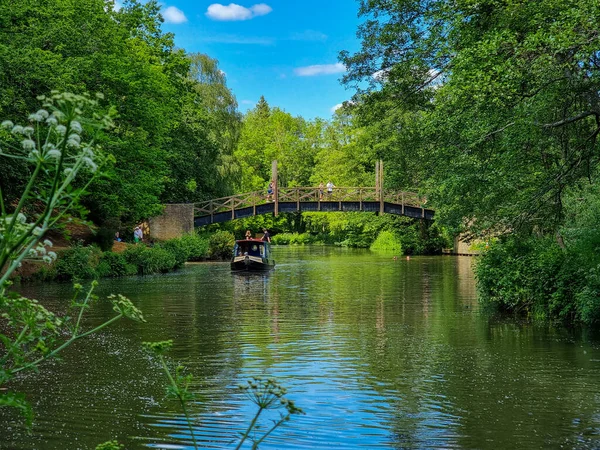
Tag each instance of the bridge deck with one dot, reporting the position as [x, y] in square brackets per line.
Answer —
[310, 199]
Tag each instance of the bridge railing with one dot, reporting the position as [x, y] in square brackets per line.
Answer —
[305, 194]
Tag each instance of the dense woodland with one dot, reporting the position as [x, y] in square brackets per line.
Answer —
[490, 108]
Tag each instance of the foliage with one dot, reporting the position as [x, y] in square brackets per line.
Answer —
[388, 241]
[295, 239]
[526, 276]
[221, 244]
[105, 238]
[77, 263]
[176, 122]
[499, 102]
[114, 265]
[151, 260]
[190, 247]
[59, 145]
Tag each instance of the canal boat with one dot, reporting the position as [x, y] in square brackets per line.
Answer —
[251, 255]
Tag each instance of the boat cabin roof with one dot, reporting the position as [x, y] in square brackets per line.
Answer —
[251, 241]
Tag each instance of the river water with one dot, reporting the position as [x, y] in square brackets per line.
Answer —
[379, 354]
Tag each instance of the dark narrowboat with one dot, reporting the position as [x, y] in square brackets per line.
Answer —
[251, 255]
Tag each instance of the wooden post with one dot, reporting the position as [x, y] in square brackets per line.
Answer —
[212, 213]
[275, 187]
[381, 199]
[360, 199]
[377, 180]
[402, 202]
[297, 198]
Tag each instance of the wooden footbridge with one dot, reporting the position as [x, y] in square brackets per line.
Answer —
[298, 199]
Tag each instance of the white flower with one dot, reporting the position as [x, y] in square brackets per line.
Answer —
[88, 152]
[76, 126]
[53, 154]
[33, 253]
[72, 143]
[52, 121]
[47, 243]
[28, 131]
[52, 255]
[90, 163]
[7, 125]
[41, 250]
[75, 137]
[21, 218]
[43, 113]
[17, 129]
[61, 129]
[35, 118]
[28, 144]
[47, 259]
[34, 154]
[68, 171]
[36, 231]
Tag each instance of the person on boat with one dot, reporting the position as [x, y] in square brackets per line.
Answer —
[248, 234]
[266, 235]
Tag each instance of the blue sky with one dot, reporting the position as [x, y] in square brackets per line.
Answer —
[285, 50]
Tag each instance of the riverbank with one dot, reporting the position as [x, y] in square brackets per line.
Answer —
[81, 262]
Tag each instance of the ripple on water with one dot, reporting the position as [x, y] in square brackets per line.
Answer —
[379, 354]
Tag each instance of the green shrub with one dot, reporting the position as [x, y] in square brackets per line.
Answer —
[221, 244]
[196, 245]
[150, 260]
[105, 238]
[282, 238]
[388, 241]
[526, 275]
[115, 265]
[77, 263]
[178, 250]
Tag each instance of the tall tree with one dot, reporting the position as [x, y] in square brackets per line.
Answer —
[504, 95]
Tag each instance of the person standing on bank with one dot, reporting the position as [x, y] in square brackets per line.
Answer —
[266, 235]
[138, 235]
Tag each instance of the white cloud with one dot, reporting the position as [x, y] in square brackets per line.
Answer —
[174, 15]
[323, 69]
[308, 35]
[262, 9]
[336, 107]
[233, 12]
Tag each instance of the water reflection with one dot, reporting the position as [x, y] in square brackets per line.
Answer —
[379, 353]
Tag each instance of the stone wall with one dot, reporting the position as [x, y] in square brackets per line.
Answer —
[466, 248]
[175, 221]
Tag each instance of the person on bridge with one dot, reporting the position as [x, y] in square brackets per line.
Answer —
[321, 188]
[270, 191]
[330, 187]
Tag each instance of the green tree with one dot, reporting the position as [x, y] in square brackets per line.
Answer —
[505, 95]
